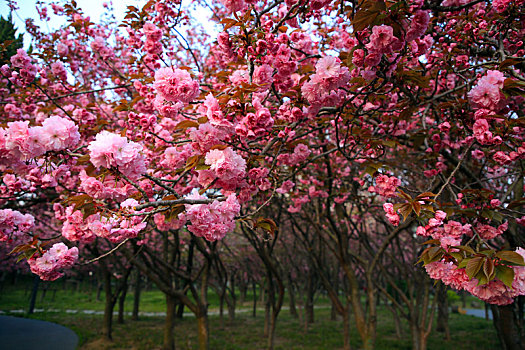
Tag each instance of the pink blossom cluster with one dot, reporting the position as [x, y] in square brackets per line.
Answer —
[48, 265]
[224, 47]
[234, 5]
[212, 221]
[119, 227]
[391, 214]
[227, 166]
[255, 124]
[175, 85]
[100, 47]
[75, 228]
[165, 225]
[263, 75]
[153, 36]
[328, 78]
[494, 292]
[206, 136]
[210, 109]
[449, 234]
[21, 141]
[383, 41]
[115, 228]
[104, 190]
[500, 5]
[110, 150]
[260, 177]
[285, 187]
[487, 93]
[418, 26]
[491, 232]
[298, 203]
[14, 222]
[300, 153]
[482, 133]
[26, 70]
[176, 157]
[385, 186]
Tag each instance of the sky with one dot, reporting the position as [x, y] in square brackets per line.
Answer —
[92, 8]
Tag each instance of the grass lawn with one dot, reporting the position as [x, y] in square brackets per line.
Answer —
[468, 333]
[246, 332]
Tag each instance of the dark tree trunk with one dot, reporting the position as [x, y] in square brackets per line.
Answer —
[107, 326]
[34, 291]
[243, 288]
[121, 303]
[309, 304]
[254, 286]
[136, 297]
[169, 324]
[346, 331]
[204, 331]
[508, 326]
[442, 317]
[291, 292]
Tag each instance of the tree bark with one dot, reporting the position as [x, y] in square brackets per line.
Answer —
[136, 297]
[291, 292]
[121, 303]
[34, 291]
[169, 339]
[442, 317]
[309, 304]
[204, 331]
[254, 286]
[508, 326]
[107, 326]
[346, 331]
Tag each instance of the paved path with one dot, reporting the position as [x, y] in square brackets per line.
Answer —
[28, 334]
[213, 312]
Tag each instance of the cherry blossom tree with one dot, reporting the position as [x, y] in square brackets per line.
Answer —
[407, 109]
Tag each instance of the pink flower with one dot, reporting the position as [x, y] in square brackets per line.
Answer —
[285, 187]
[391, 215]
[210, 108]
[175, 85]
[21, 59]
[48, 266]
[382, 40]
[490, 232]
[262, 75]
[152, 32]
[501, 158]
[228, 165]
[112, 150]
[500, 5]
[59, 133]
[418, 26]
[487, 93]
[212, 221]
[385, 186]
[234, 5]
[205, 137]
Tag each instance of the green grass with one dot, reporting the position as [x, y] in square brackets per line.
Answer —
[468, 333]
[59, 298]
[62, 296]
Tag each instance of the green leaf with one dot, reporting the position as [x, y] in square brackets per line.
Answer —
[488, 269]
[465, 249]
[456, 255]
[505, 274]
[473, 266]
[511, 257]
